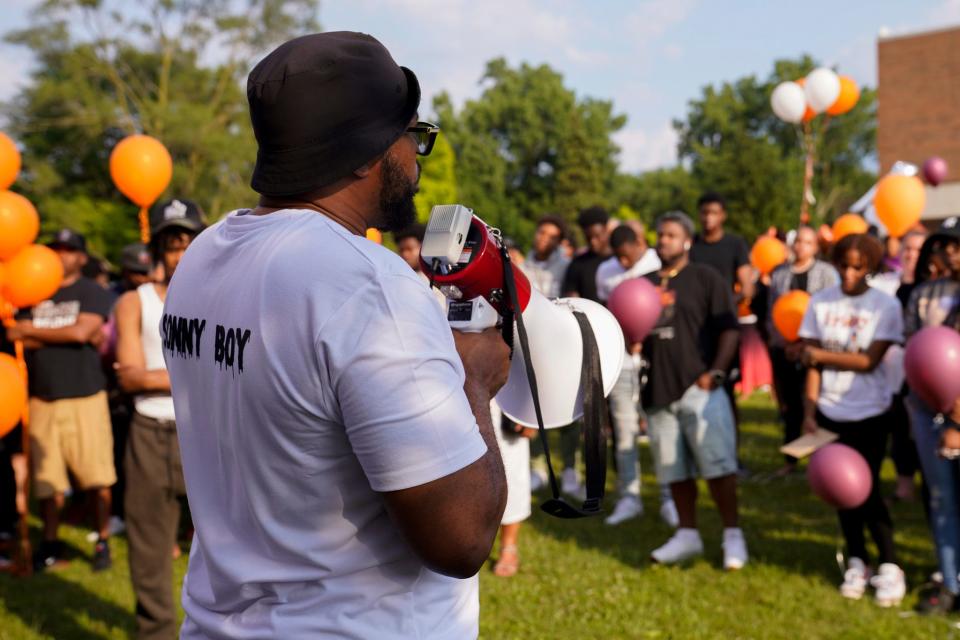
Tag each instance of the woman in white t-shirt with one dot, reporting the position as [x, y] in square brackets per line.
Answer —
[847, 330]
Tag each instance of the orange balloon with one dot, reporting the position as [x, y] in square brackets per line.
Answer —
[19, 223]
[849, 94]
[848, 223]
[374, 235]
[9, 161]
[767, 254]
[32, 276]
[13, 394]
[899, 201]
[788, 313]
[141, 168]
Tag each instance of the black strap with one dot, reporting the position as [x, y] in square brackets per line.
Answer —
[595, 417]
[591, 381]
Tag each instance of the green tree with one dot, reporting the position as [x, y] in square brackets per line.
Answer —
[733, 143]
[528, 146]
[108, 69]
[655, 192]
[438, 178]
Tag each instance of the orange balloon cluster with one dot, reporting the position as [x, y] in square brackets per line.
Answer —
[141, 168]
[9, 161]
[788, 312]
[13, 394]
[32, 276]
[899, 202]
[847, 224]
[767, 254]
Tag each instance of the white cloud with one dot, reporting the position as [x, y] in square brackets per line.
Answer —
[646, 149]
[654, 17]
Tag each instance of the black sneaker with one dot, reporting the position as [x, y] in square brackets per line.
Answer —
[934, 599]
[101, 556]
[48, 555]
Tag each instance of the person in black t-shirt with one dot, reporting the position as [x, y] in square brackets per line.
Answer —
[580, 280]
[725, 252]
[69, 417]
[690, 420]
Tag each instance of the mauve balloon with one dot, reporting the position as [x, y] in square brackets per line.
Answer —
[932, 365]
[935, 170]
[635, 303]
[840, 476]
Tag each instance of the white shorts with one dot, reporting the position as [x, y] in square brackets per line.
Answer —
[515, 452]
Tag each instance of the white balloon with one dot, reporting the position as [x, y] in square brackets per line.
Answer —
[822, 89]
[788, 102]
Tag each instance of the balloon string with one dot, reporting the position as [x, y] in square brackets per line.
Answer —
[144, 226]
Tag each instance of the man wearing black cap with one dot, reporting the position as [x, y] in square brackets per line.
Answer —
[154, 475]
[69, 416]
[340, 461]
[135, 267]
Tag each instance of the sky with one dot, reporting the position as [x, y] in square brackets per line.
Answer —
[650, 57]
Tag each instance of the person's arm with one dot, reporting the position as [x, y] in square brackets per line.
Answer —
[748, 288]
[82, 331]
[451, 534]
[810, 398]
[570, 288]
[860, 362]
[132, 373]
[727, 345]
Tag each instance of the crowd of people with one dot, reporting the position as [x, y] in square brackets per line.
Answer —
[677, 389]
[273, 348]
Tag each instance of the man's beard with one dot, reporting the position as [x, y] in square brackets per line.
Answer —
[397, 211]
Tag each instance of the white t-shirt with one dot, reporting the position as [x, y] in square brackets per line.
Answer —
[851, 323]
[310, 370]
[611, 273]
[546, 276]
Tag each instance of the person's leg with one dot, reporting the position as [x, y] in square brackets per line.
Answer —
[684, 495]
[626, 425]
[851, 520]
[152, 514]
[102, 498]
[876, 515]
[50, 514]
[942, 479]
[509, 561]
[902, 450]
[49, 467]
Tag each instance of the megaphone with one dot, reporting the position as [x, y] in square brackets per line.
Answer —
[464, 258]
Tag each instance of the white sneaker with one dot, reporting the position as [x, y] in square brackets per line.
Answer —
[627, 508]
[668, 513]
[734, 549]
[538, 480]
[855, 579]
[570, 483]
[890, 585]
[684, 544]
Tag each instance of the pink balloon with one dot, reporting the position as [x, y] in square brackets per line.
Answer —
[635, 303]
[935, 170]
[932, 365]
[840, 476]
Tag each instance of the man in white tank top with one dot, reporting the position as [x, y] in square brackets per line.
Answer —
[152, 462]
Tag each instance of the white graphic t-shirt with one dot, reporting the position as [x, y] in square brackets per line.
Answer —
[611, 273]
[845, 323]
[311, 370]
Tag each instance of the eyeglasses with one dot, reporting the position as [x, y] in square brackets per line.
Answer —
[424, 134]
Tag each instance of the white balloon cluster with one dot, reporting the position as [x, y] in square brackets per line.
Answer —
[820, 89]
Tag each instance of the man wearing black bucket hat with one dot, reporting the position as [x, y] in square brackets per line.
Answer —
[337, 448]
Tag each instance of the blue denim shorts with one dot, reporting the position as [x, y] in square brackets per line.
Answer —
[695, 433]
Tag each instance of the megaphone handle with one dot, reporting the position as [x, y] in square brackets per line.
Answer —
[511, 290]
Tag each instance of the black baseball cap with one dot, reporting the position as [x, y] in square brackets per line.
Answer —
[323, 105]
[68, 239]
[176, 213]
[135, 258]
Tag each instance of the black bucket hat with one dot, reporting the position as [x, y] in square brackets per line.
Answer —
[323, 105]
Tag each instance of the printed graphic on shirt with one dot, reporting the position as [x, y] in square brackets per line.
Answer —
[56, 315]
[183, 337]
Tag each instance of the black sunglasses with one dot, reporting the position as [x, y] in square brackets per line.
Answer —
[424, 134]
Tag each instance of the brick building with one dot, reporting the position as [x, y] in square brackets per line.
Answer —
[918, 112]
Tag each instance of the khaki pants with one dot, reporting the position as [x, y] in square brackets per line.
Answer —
[154, 478]
[74, 434]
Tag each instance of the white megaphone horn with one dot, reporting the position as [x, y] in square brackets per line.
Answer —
[462, 255]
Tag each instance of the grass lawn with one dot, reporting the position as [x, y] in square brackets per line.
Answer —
[582, 579]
